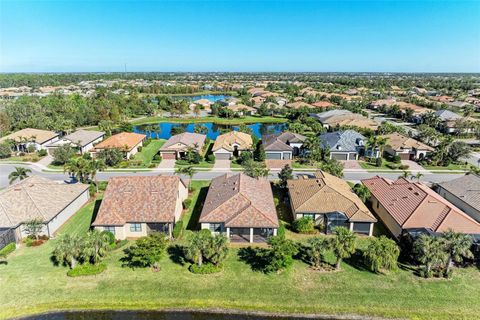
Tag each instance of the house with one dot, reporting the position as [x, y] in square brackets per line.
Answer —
[25, 138]
[127, 142]
[330, 202]
[40, 198]
[83, 140]
[450, 122]
[340, 118]
[282, 146]
[343, 145]
[134, 206]
[323, 104]
[177, 146]
[242, 110]
[416, 111]
[464, 193]
[299, 105]
[406, 148]
[402, 205]
[231, 145]
[205, 103]
[240, 207]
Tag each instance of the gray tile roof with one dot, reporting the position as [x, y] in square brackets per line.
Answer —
[466, 188]
[84, 137]
[348, 140]
[323, 116]
[447, 115]
[280, 141]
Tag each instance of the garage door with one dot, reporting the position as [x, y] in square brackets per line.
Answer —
[168, 155]
[222, 156]
[273, 156]
[339, 156]
[353, 156]
[404, 156]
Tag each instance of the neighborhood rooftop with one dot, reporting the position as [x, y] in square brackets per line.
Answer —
[84, 137]
[466, 188]
[29, 134]
[124, 141]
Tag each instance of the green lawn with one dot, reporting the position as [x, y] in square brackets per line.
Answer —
[298, 165]
[372, 166]
[147, 153]
[451, 166]
[81, 221]
[31, 284]
[191, 215]
[217, 120]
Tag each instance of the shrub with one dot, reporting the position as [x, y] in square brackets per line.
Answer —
[109, 236]
[5, 151]
[396, 159]
[9, 248]
[62, 154]
[304, 225]
[381, 254]
[146, 142]
[87, 270]
[28, 241]
[157, 157]
[211, 158]
[378, 162]
[123, 164]
[281, 229]
[139, 150]
[132, 157]
[118, 244]
[42, 153]
[177, 230]
[31, 148]
[152, 165]
[147, 251]
[92, 190]
[392, 166]
[403, 166]
[187, 203]
[206, 268]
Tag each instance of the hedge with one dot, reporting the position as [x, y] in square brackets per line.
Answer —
[87, 270]
[9, 248]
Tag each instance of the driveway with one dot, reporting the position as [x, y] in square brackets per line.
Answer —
[167, 164]
[413, 166]
[277, 164]
[352, 165]
[221, 165]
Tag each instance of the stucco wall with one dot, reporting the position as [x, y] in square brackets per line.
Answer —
[386, 218]
[68, 212]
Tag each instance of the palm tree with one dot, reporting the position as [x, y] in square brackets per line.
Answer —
[69, 249]
[362, 191]
[78, 168]
[19, 174]
[457, 246]
[189, 171]
[430, 252]
[96, 246]
[416, 176]
[198, 245]
[95, 166]
[343, 244]
[405, 174]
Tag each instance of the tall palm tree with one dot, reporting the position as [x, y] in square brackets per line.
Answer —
[95, 166]
[78, 168]
[457, 246]
[362, 191]
[189, 171]
[19, 174]
[96, 246]
[430, 252]
[343, 244]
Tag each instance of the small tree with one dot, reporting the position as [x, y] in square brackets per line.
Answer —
[343, 244]
[259, 153]
[284, 175]
[255, 169]
[362, 191]
[332, 166]
[315, 250]
[19, 174]
[69, 249]
[198, 246]
[430, 251]
[5, 150]
[34, 227]
[96, 246]
[63, 154]
[112, 157]
[457, 246]
[217, 250]
[280, 256]
[304, 225]
[381, 254]
[147, 251]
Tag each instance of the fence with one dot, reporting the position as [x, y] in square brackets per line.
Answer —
[6, 236]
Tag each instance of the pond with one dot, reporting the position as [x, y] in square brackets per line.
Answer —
[155, 315]
[163, 130]
[210, 97]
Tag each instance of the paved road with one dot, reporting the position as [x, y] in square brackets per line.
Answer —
[5, 170]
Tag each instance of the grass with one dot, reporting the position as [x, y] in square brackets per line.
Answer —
[80, 223]
[451, 166]
[148, 152]
[298, 165]
[372, 166]
[191, 215]
[217, 120]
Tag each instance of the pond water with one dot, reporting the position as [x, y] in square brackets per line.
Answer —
[163, 130]
[154, 315]
[210, 97]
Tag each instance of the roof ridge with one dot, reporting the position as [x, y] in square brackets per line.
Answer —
[29, 196]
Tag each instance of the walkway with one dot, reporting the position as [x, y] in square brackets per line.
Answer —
[221, 165]
[167, 165]
[277, 164]
[414, 166]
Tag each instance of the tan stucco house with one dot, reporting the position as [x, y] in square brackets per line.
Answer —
[127, 142]
[177, 145]
[231, 145]
[24, 138]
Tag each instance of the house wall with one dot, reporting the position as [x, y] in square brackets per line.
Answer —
[394, 228]
[119, 231]
[182, 195]
[459, 203]
[89, 146]
[134, 150]
[55, 223]
[278, 155]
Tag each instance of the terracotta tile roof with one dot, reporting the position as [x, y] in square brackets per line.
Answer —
[414, 205]
[466, 188]
[228, 140]
[240, 108]
[399, 142]
[240, 201]
[36, 135]
[184, 140]
[125, 141]
[322, 104]
[326, 193]
[36, 197]
[139, 199]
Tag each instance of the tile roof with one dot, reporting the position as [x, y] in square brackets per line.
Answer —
[125, 141]
[322, 104]
[36, 197]
[83, 137]
[339, 117]
[447, 115]
[185, 139]
[280, 141]
[139, 199]
[466, 188]
[228, 140]
[37, 135]
[298, 105]
[414, 205]
[240, 108]
[240, 201]
[326, 193]
[399, 142]
[348, 140]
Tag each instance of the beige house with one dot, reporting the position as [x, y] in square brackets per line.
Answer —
[134, 206]
[330, 202]
[177, 145]
[231, 145]
[127, 142]
[82, 140]
[242, 109]
[406, 148]
[240, 207]
[40, 198]
[25, 138]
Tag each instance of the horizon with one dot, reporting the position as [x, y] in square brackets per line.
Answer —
[240, 37]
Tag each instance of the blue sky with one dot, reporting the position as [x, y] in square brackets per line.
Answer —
[402, 36]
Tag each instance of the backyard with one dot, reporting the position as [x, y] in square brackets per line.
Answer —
[353, 290]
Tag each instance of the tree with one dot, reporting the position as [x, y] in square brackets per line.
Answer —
[430, 251]
[96, 246]
[68, 250]
[381, 254]
[79, 168]
[255, 169]
[95, 166]
[192, 156]
[280, 256]
[19, 174]
[5, 150]
[284, 175]
[197, 246]
[147, 251]
[259, 153]
[332, 166]
[217, 250]
[362, 191]
[457, 246]
[315, 250]
[62, 154]
[343, 244]
[112, 156]
[188, 171]
[33, 227]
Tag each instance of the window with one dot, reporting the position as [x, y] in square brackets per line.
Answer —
[109, 229]
[215, 227]
[309, 215]
[135, 227]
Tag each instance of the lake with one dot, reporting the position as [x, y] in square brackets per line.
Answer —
[210, 97]
[155, 315]
[163, 130]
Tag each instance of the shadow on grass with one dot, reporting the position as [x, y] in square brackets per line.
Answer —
[96, 207]
[254, 257]
[176, 254]
[357, 261]
[197, 210]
